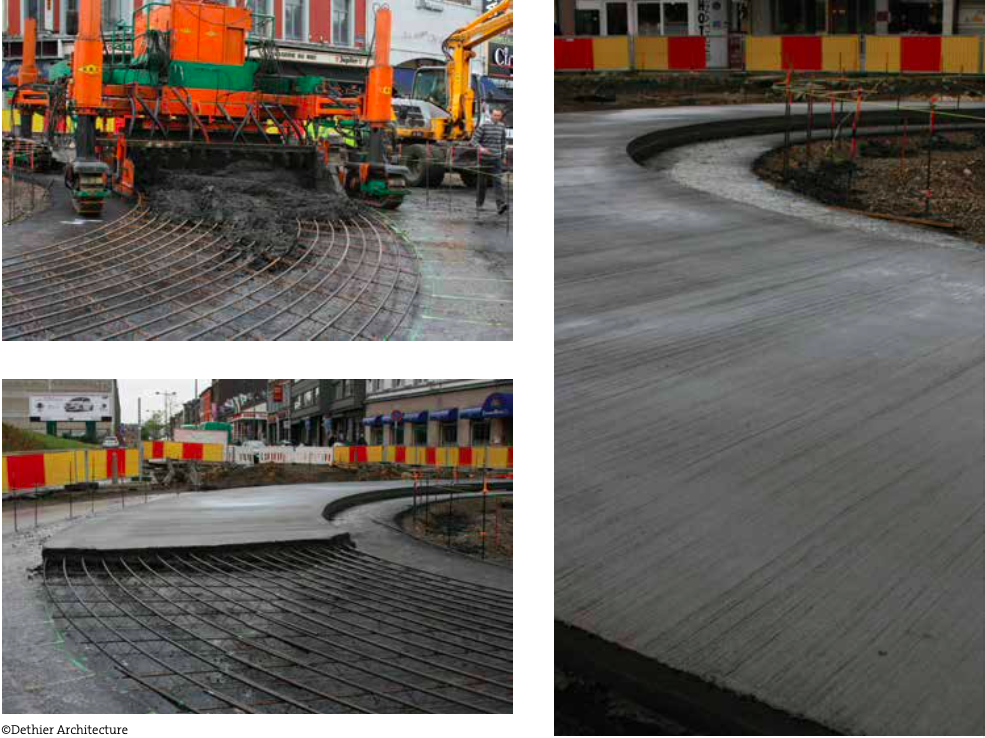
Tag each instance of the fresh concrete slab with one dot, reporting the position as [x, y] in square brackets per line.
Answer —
[769, 435]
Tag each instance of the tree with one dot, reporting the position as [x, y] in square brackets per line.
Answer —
[153, 428]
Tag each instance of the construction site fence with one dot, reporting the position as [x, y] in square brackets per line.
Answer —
[467, 457]
[55, 469]
[835, 54]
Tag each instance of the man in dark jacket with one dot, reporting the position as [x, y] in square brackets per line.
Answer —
[490, 141]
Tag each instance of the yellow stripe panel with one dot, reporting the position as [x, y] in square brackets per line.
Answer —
[611, 52]
[961, 54]
[6, 482]
[652, 53]
[882, 53]
[374, 454]
[764, 53]
[132, 465]
[342, 455]
[212, 452]
[172, 450]
[499, 458]
[842, 53]
[65, 467]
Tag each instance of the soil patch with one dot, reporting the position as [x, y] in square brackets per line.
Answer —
[888, 178]
[458, 524]
[256, 206]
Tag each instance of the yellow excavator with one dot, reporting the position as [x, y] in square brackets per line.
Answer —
[434, 125]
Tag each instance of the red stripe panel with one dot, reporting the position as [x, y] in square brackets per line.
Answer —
[120, 457]
[25, 472]
[921, 54]
[573, 53]
[431, 456]
[686, 52]
[400, 454]
[157, 450]
[361, 454]
[511, 457]
[803, 53]
[465, 456]
[191, 451]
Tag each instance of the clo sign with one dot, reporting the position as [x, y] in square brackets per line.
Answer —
[503, 56]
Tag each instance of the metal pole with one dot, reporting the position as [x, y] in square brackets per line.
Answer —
[16, 498]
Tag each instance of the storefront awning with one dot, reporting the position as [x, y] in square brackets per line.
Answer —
[421, 417]
[394, 417]
[375, 421]
[498, 405]
[471, 413]
[445, 416]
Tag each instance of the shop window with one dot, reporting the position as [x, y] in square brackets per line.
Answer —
[420, 434]
[112, 13]
[648, 19]
[507, 431]
[398, 435]
[588, 23]
[480, 432]
[449, 434]
[616, 19]
[675, 20]
[799, 16]
[376, 434]
[910, 17]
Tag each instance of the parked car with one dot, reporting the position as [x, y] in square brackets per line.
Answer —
[111, 442]
[79, 405]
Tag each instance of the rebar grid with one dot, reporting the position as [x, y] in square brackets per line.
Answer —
[145, 277]
[314, 628]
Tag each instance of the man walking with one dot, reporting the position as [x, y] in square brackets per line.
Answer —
[490, 141]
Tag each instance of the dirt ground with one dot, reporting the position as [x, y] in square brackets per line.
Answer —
[888, 177]
[248, 198]
[22, 198]
[459, 525]
[596, 91]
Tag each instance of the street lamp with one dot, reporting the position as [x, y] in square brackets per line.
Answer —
[167, 412]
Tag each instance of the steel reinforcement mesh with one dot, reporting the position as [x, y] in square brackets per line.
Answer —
[315, 628]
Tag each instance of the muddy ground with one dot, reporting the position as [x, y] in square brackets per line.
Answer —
[597, 91]
[888, 177]
[458, 524]
[22, 198]
[248, 198]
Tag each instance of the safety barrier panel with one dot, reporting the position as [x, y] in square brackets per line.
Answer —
[608, 53]
[177, 451]
[803, 53]
[882, 54]
[59, 468]
[279, 455]
[473, 457]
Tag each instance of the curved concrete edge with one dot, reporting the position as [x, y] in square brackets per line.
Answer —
[336, 507]
[646, 147]
[701, 705]
[373, 531]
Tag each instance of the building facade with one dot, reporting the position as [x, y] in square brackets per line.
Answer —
[767, 17]
[17, 410]
[439, 412]
[323, 409]
[278, 411]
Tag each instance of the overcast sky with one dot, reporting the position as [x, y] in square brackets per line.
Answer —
[131, 389]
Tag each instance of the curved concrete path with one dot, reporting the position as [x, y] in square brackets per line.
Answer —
[788, 498]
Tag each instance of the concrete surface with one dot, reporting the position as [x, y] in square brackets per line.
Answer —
[769, 436]
[466, 265]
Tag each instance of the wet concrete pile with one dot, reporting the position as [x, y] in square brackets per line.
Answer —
[257, 206]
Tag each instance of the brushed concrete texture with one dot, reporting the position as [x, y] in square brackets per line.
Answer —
[769, 442]
[274, 514]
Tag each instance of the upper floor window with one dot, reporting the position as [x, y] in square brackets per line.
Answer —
[342, 22]
[294, 19]
[377, 385]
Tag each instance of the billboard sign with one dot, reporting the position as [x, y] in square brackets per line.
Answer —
[501, 57]
[71, 408]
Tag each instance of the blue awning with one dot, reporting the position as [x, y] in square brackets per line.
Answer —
[445, 416]
[498, 405]
[378, 420]
[421, 417]
[471, 413]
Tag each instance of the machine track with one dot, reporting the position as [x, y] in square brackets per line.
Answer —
[311, 628]
[144, 277]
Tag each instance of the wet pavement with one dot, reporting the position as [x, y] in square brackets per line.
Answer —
[792, 508]
[466, 265]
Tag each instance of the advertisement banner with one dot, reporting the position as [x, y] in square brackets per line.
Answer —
[71, 408]
[501, 57]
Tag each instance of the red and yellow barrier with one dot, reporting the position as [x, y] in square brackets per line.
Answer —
[177, 451]
[478, 457]
[608, 53]
[59, 468]
[803, 53]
